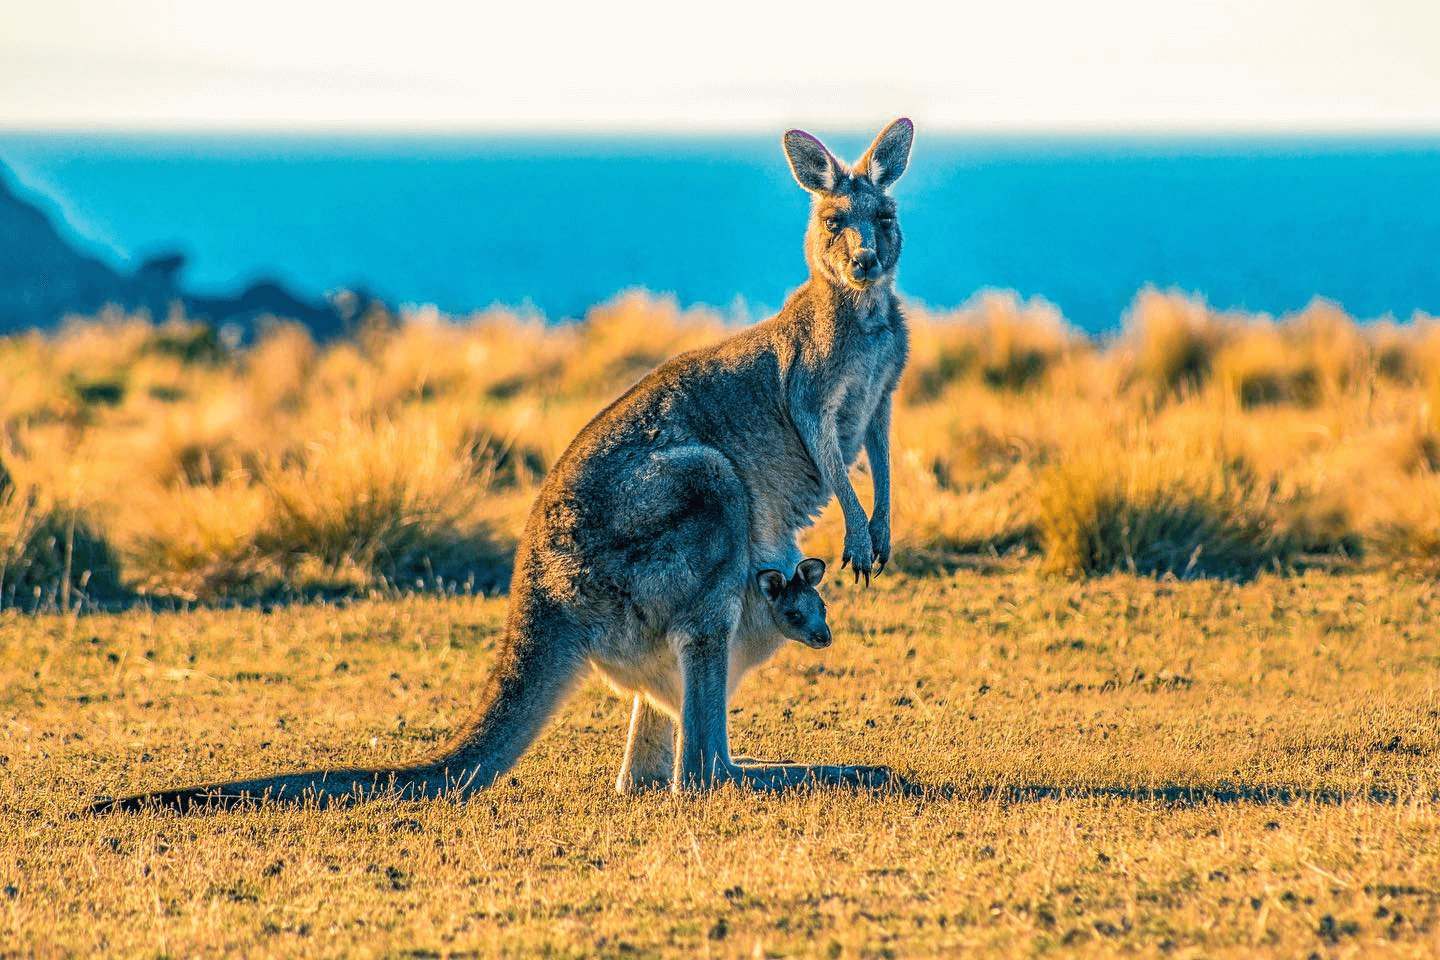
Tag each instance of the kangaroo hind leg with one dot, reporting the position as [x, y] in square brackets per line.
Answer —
[702, 642]
[649, 760]
[704, 760]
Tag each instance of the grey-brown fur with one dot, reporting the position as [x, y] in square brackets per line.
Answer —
[640, 554]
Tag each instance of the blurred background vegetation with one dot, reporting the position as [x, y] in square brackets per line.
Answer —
[152, 461]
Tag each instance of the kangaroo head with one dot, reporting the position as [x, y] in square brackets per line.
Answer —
[795, 604]
[853, 240]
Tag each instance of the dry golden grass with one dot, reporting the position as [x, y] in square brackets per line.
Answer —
[1112, 766]
[1105, 764]
[1157, 505]
[1194, 443]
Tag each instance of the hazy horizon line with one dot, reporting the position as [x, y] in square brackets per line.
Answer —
[1199, 129]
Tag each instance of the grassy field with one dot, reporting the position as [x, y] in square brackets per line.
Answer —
[1114, 765]
[1157, 657]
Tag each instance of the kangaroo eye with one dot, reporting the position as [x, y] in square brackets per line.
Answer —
[832, 223]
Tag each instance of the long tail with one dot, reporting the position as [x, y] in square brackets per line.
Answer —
[527, 687]
[320, 787]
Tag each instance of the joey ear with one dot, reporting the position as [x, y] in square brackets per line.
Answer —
[771, 583]
[811, 570]
[813, 166]
[889, 155]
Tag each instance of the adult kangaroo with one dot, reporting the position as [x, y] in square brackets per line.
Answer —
[641, 552]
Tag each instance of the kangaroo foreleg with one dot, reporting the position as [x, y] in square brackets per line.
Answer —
[877, 451]
[819, 434]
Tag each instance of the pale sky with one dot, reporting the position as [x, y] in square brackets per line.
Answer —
[744, 64]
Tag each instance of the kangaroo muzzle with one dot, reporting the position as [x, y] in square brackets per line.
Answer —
[865, 267]
[818, 640]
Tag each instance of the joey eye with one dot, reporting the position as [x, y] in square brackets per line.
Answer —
[793, 616]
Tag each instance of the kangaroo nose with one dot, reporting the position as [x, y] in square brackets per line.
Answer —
[864, 263]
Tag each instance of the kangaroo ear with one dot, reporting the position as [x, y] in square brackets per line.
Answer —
[889, 155]
[811, 570]
[771, 583]
[814, 168]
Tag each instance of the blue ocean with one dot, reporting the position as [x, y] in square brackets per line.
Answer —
[557, 224]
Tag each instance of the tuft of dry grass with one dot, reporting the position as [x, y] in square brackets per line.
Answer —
[51, 554]
[52, 551]
[1149, 505]
[1169, 342]
[1316, 356]
[995, 340]
[396, 499]
[1409, 533]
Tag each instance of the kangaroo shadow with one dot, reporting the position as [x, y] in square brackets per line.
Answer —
[1166, 795]
[1173, 796]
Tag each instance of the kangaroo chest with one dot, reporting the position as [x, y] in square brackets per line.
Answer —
[864, 374]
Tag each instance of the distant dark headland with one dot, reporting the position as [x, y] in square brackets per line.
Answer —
[45, 278]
